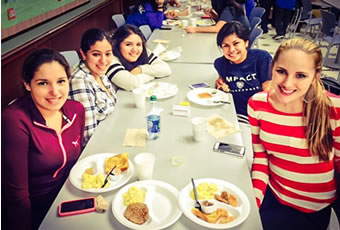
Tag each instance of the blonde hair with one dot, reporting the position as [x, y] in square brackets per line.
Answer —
[316, 105]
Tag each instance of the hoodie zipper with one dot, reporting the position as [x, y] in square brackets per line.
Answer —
[60, 140]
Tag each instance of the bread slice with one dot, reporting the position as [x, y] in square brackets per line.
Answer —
[211, 217]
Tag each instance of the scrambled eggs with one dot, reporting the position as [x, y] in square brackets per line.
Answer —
[134, 195]
[205, 191]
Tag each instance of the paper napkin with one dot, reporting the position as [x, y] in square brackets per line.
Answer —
[135, 137]
[219, 127]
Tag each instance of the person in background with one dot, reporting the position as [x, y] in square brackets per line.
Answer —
[89, 84]
[267, 5]
[133, 64]
[152, 13]
[249, 5]
[295, 135]
[222, 12]
[242, 72]
[283, 15]
[42, 140]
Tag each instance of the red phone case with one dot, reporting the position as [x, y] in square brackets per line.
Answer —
[77, 211]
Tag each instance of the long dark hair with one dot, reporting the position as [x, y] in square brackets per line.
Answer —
[38, 58]
[91, 36]
[121, 34]
[233, 27]
[220, 5]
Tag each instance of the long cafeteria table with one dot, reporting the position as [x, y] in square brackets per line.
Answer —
[199, 48]
[200, 161]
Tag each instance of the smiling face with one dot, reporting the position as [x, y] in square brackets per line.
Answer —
[292, 75]
[49, 87]
[131, 48]
[99, 57]
[234, 48]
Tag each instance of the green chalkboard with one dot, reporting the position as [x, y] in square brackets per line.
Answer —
[28, 13]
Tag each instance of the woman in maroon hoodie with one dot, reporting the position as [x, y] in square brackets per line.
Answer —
[42, 135]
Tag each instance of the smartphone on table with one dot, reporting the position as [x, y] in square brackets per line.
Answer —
[232, 149]
[79, 206]
[198, 85]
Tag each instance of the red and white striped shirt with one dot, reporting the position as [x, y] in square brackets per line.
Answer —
[283, 161]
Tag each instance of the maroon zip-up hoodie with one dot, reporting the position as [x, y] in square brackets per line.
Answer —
[36, 160]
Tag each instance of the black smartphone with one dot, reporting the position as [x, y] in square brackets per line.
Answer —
[232, 149]
[165, 28]
[80, 206]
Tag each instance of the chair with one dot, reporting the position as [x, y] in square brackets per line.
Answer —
[71, 57]
[331, 85]
[256, 12]
[255, 22]
[254, 35]
[118, 19]
[329, 34]
[146, 30]
[293, 25]
[334, 222]
[131, 8]
[307, 17]
[328, 30]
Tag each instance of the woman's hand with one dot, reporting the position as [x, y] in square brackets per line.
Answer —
[136, 70]
[170, 14]
[266, 85]
[212, 13]
[190, 29]
[221, 85]
[208, 11]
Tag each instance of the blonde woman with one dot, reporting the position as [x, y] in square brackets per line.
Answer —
[295, 135]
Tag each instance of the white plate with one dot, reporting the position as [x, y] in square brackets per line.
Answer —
[198, 13]
[169, 55]
[205, 22]
[161, 199]
[160, 89]
[217, 95]
[170, 22]
[98, 160]
[186, 203]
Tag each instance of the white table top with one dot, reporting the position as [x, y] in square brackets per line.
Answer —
[176, 139]
[196, 47]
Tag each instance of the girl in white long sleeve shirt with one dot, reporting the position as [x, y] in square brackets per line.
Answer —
[133, 64]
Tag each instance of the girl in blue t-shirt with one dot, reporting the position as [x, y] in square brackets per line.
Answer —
[242, 71]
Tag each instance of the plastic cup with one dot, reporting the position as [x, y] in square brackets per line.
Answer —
[199, 128]
[193, 22]
[144, 163]
[139, 95]
[184, 23]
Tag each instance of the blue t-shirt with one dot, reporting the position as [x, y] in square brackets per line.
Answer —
[228, 15]
[145, 15]
[245, 79]
[286, 4]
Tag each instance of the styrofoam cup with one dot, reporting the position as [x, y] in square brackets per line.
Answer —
[144, 163]
[193, 22]
[139, 95]
[199, 128]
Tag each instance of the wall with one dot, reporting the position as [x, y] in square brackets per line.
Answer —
[61, 33]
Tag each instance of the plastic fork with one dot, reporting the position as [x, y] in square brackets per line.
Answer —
[107, 176]
[197, 204]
